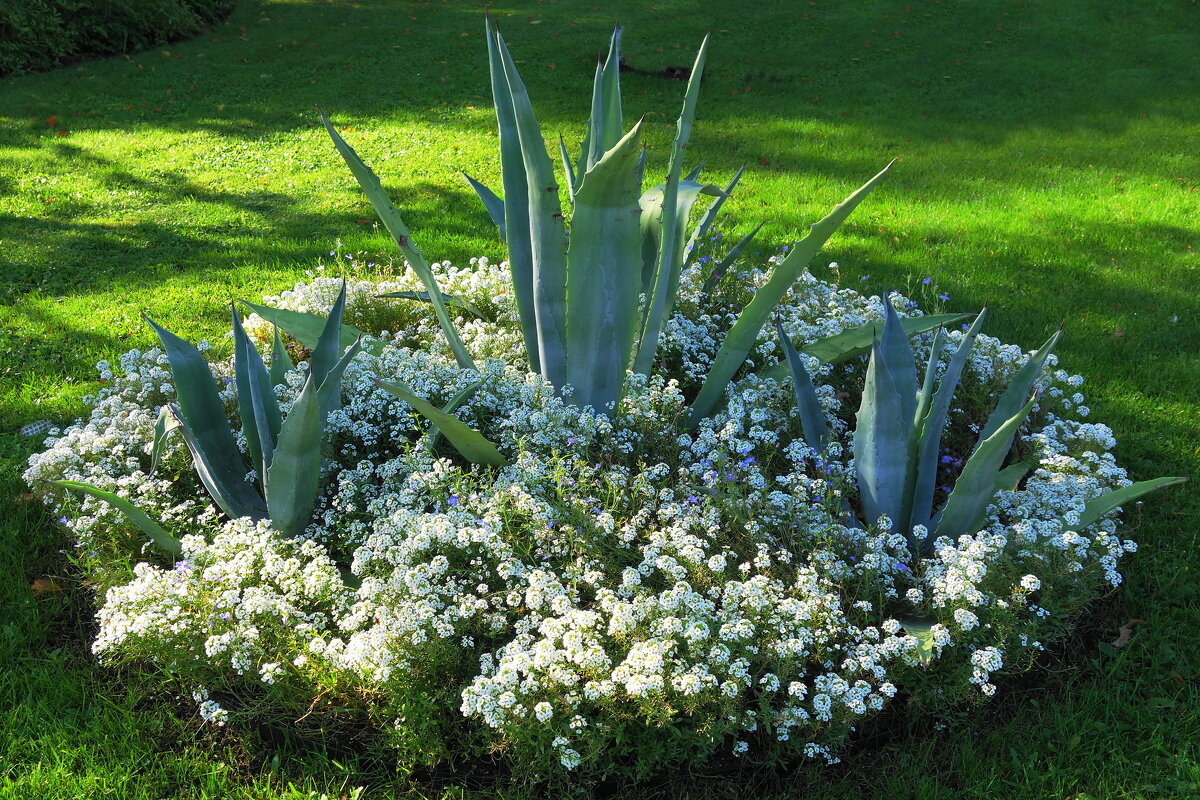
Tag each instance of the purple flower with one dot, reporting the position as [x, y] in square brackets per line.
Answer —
[927, 281]
[903, 568]
[943, 296]
[453, 501]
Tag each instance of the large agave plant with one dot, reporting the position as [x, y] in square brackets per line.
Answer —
[593, 302]
[898, 432]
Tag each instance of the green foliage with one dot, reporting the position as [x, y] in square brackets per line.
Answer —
[42, 34]
[580, 297]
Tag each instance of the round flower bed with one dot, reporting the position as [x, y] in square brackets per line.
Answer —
[626, 594]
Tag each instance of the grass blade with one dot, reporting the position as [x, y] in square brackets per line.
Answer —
[468, 441]
[399, 231]
[740, 339]
[152, 529]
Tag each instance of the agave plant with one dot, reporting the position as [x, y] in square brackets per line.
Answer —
[898, 432]
[593, 303]
[285, 452]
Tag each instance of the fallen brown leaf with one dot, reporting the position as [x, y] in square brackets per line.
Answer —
[1125, 633]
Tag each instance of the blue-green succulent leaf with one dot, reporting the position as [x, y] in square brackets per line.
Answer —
[1095, 509]
[469, 442]
[293, 480]
[740, 339]
[722, 267]
[152, 529]
[604, 276]
[257, 404]
[976, 485]
[1019, 388]
[164, 426]
[201, 416]
[281, 362]
[880, 444]
[812, 416]
[493, 204]
[395, 226]
[710, 215]
[934, 421]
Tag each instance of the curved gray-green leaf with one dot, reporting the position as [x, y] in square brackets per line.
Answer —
[135, 515]
[468, 441]
[740, 339]
[1095, 509]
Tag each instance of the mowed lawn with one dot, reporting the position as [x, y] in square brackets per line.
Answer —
[1049, 159]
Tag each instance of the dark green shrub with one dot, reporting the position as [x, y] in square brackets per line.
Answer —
[43, 34]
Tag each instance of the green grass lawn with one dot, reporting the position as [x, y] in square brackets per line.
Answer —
[1049, 162]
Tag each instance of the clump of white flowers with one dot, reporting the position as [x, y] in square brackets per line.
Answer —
[621, 578]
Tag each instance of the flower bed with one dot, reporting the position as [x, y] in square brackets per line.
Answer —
[626, 594]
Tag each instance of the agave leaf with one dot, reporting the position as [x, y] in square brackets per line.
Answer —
[257, 403]
[694, 175]
[881, 439]
[330, 390]
[666, 276]
[516, 199]
[302, 326]
[933, 421]
[1019, 388]
[468, 441]
[740, 339]
[281, 362]
[493, 204]
[450, 300]
[976, 486]
[568, 169]
[222, 473]
[546, 231]
[901, 364]
[922, 631]
[710, 215]
[293, 479]
[857, 341]
[735, 252]
[654, 221]
[812, 416]
[1007, 480]
[163, 427]
[399, 231]
[465, 394]
[604, 281]
[152, 529]
[1095, 509]
[206, 430]
[925, 395]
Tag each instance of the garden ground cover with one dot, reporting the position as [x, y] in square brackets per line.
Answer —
[1047, 163]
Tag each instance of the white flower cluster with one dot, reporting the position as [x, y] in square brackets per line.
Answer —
[619, 576]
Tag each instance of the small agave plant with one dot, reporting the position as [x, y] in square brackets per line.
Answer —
[285, 452]
[898, 431]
